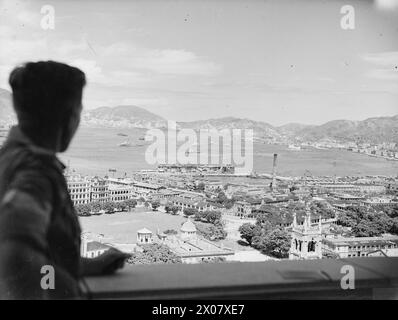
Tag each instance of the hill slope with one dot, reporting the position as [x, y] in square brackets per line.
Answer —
[123, 116]
[380, 129]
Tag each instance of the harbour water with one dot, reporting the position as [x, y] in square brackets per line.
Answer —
[95, 150]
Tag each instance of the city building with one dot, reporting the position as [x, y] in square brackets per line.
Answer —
[183, 203]
[144, 189]
[90, 248]
[344, 247]
[99, 190]
[79, 189]
[245, 208]
[144, 236]
[119, 193]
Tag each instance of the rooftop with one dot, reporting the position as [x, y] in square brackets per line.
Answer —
[95, 245]
[188, 226]
[144, 231]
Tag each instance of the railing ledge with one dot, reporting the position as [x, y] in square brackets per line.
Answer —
[248, 280]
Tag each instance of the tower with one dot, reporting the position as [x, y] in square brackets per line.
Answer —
[306, 239]
[274, 164]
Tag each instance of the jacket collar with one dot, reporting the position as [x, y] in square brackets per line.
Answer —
[16, 135]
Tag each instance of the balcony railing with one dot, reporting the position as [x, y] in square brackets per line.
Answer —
[374, 278]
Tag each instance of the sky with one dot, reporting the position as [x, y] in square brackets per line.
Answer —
[274, 61]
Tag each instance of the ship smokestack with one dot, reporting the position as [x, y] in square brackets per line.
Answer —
[274, 164]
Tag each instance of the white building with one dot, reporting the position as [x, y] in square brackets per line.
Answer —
[144, 236]
[361, 246]
[119, 193]
[90, 248]
[79, 189]
[99, 190]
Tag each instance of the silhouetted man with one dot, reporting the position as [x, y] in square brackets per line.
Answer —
[38, 224]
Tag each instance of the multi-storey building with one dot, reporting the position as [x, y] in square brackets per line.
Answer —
[245, 208]
[99, 190]
[143, 189]
[361, 246]
[79, 189]
[120, 192]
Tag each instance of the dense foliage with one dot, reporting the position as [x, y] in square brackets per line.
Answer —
[107, 207]
[155, 204]
[172, 209]
[211, 231]
[190, 211]
[210, 225]
[154, 253]
[368, 222]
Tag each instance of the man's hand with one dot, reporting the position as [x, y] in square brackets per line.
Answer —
[107, 263]
[111, 260]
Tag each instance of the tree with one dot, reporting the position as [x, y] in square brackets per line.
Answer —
[214, 259]
[121, 206]
[190, 211]
[277, 243]
[154, 253]
[394, 227]
[141, 200]
[108, 207]
[168, 207]
[365, 222]
[329, 255]
[130, 204]
[170, 231]
[248, 231]
[174, 210]
[228, 203]
[155, 205]
[211, 231]
[213, 216]
[96, 206]
[258, 242]
[83, 210]
[200, 186]
[201, 215]
[209, 216]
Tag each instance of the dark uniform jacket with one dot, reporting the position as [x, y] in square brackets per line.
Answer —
[36, 212]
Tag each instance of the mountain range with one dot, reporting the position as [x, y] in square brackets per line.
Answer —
[375, 130]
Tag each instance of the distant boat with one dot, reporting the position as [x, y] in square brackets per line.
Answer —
[294, 147]
[122, 134]
[126, 143]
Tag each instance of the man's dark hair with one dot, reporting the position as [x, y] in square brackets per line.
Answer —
[45, 95]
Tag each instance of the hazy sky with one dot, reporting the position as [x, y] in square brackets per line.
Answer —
[274, 61]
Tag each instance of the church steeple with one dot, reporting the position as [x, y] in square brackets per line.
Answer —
[306, 238]
[294, 220]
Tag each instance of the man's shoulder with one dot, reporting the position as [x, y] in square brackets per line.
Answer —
[23, 169]
[22, 157]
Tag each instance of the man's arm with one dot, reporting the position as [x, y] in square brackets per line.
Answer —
[25, 213]
[106, 263]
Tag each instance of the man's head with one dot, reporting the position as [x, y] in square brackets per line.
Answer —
[47, 98]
